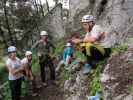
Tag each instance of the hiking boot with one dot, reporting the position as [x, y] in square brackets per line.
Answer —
[44, 84]
[34, 94]
[96, 97]
[67, 68]
[39, 86]
[87, 68]
[52, 82]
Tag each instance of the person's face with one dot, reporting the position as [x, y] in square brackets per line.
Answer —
[90, 24]
[29, 57]
[13, 55]
[86, 26]
[43, 37]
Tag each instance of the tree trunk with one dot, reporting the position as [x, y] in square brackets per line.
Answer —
[47, 5]
[13, 23]
[4, 39]
[7, 22]
[38, 15]
[41, 6]
[56, 2]
[36, 5]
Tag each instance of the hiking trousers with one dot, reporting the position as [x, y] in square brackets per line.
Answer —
[15, 86]
[47, 62]
[94, 52]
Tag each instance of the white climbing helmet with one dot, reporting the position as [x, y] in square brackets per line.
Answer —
[12, 49]
[87, 18]
[27, 53]
[68, 44]
[43, 33]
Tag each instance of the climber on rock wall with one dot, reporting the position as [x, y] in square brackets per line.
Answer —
[92, 45]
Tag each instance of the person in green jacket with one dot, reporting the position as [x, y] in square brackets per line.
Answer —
[44, 51]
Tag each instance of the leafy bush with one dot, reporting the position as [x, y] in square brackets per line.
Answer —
[120, 48]
[131, 89]
[80, 55]
[6, 92]
[3, 73]
[95, 83]
[35, 64]
[59, 48]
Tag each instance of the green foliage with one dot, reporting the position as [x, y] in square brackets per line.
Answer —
[65, 75]
[59, 48]
[6, 92]
[80, 55]
[82, 34]
[120, 48]
[35, 64]
[24, 89]
[3, 72]
[131, 90]
[95, 83]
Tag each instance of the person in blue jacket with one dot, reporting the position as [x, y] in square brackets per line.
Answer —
[68, 54]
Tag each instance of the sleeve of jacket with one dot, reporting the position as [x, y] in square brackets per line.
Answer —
[52, 47]
[35, 45]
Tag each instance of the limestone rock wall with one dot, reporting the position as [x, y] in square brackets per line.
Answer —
[116, 16]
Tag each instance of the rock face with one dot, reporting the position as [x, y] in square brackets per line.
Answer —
[76, 87]
[117, 78]
[53, 23]
[116, 16]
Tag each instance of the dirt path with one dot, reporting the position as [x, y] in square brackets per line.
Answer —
[51, 92]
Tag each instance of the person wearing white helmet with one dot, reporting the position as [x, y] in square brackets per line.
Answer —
[92, 30]
[44, 49]
[15, 69]
[44, 33]
[93, 40]
[27, 63]
[87, 18]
